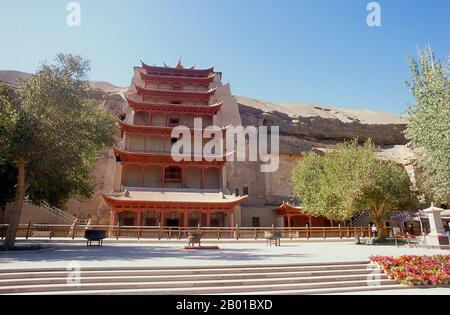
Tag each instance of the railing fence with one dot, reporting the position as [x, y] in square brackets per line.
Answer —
[29, 231]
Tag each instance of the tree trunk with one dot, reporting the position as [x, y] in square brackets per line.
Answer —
[382, 233]
[14, 218]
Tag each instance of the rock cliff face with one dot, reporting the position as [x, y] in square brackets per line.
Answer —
[323, 125]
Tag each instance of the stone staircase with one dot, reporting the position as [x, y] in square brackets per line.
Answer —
[64, 215]
[319, 278]
[362, 220]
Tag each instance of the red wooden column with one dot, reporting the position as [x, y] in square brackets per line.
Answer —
[186, 218]
[183, 179]
[142, 175]
[202, 178]
[139, 219]
[231, 219]
[289, 221]
[124, 168]
[162, 220]
[310, 221]
[127, 145]
[163, 174]
[208, 218]
[114, 218]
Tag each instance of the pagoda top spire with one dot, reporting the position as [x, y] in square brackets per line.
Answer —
[179, 64]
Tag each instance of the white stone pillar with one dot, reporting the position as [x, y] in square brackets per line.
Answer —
[434, 216]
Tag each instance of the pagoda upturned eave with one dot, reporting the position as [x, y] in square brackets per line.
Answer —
[288, 209]
[167, 159]
[168, 201]
[174, 93]
[175, 79]
[177, 71]
[157, 131]
[140, 105]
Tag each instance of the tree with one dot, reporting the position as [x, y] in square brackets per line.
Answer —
[8, 171]
[53, 136]
[349, 181]
[429, 122]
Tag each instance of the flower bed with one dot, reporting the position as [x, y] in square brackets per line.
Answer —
[416, 270]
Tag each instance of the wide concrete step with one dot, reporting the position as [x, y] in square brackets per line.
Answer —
[87, 272]
[256, 289]
[210, 267]
[157, 278]
[287, 276]
[187, 284]
[328, 291]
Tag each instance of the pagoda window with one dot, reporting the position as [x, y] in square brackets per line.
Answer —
[189, 88]
[175, 102]
[207, 121]
[188, 120]
[158, 119]
[140, 118]
[174, 122]
[192, 178]
[152, 177]
[164, 86]
[212, 178]
[172, 174]
[195, 219]
[245, 191]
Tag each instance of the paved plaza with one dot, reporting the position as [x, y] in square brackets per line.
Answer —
[172, 253]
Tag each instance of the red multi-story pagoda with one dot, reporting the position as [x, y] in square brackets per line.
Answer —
[152, 187]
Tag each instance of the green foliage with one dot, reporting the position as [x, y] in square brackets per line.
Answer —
[428, 130]
[58, 131]
[8, 120]
[351, 180]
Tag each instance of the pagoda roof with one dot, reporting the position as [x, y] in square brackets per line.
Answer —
[155, 130]
[175, 79]
[166, 159]
[136, 103]
[178, 71]
[288, 209]
[174, 93]
[173, 196]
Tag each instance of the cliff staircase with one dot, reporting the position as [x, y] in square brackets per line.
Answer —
[282, 279]
[362, 220]
[64, 215]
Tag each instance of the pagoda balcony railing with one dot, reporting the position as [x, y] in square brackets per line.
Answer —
[181, 190]
[175, 93]
[163, 131]
[173, 104]
[141, 104]
[195, 90]
[167, 153]
[177, 79]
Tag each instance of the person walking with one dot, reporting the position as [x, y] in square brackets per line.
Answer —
[374, 230]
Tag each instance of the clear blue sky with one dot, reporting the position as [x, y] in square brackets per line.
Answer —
[314, 51]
